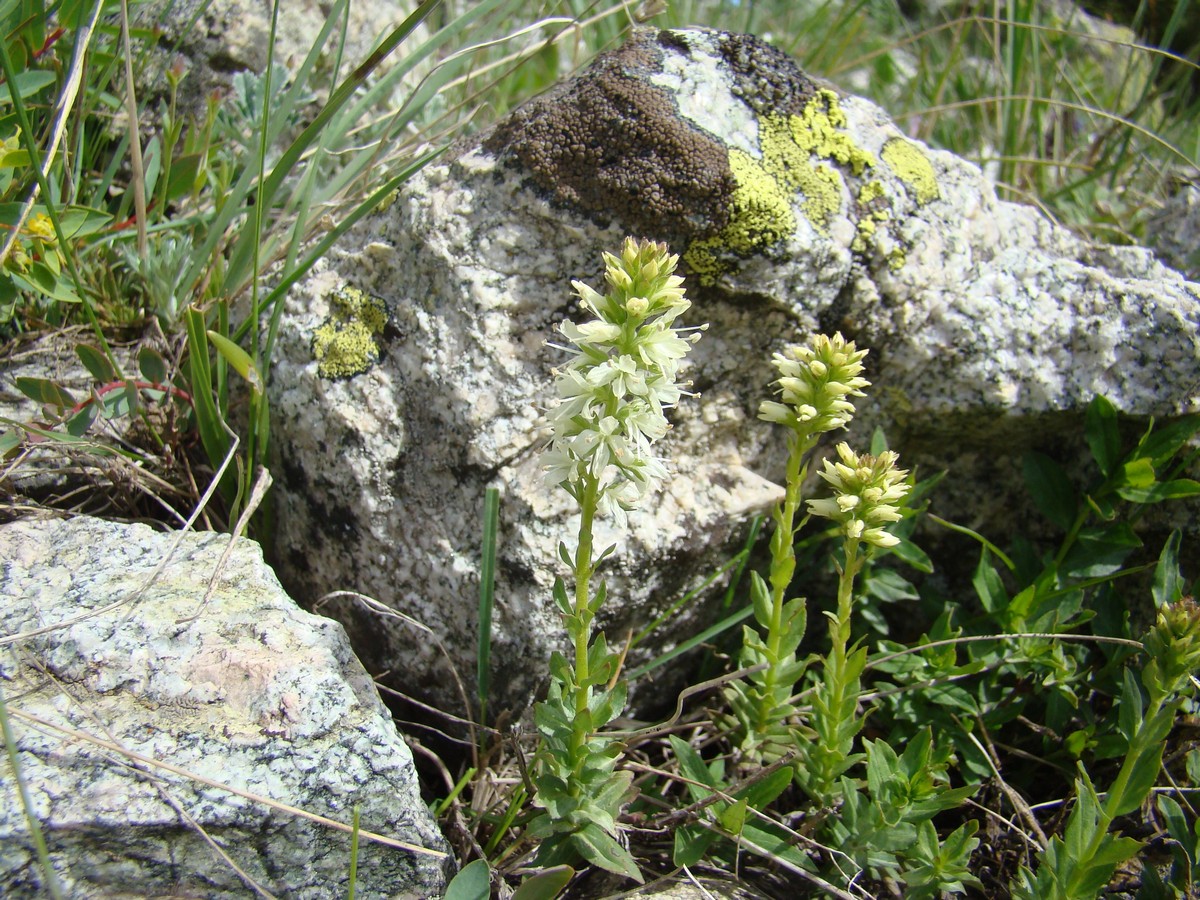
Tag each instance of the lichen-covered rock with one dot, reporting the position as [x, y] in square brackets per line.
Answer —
[795, 208]
[100, 654]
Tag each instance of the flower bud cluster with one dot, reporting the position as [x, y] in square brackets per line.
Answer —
[613, 393]
[867, 492]
[814, 382]
[1173, 645]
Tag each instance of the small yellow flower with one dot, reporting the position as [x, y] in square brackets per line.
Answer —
[40, 227]
[868, 491]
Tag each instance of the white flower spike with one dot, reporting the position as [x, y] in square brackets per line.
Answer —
[613, 392]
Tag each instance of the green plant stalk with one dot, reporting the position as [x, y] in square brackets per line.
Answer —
[487, 587]
[839, 683]
[582, 627]
[839, 628]
[1114, 798]
[783, 567]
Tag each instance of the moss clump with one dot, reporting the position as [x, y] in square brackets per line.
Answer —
[913, 168]
[345, 344]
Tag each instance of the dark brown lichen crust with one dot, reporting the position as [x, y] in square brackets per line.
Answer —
[611, 143]
[764, 77]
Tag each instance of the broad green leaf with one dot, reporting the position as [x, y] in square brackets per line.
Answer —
[598, 600]
[763, 793]
[152, 366]
[1163, 443]
[795, 622]
[43, 390]
[1168, 584]
[13, 159]
[473, 882]
[545, 885]
[96, 363]
[1161, 490]
[890, 586]
[560, 597]
[733, 817]
[1137, 473]
[1101, 550]
[121, 402]
[776, 844]
[988, 585]
[1094, 874]
[912, 555]
[28, 83]
[601, 849]
[1102, 436]
[79, 423]
[41, 279]
[760, 597]
[1050, 488]
[1176, 822]
[10, 440]
[691, 843]
[692, 767]
[184, 170]
[1132, 709]
[1144, 770]
[81, 221]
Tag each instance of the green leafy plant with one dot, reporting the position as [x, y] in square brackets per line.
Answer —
[815, 383]
[612, 395]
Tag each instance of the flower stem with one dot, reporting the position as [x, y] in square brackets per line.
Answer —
[839, 630]
[583, 623]
[783, 567]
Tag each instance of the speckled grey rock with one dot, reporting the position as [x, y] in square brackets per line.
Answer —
[990, 330]
[1175, 232]
[212, 40]
[253, 693]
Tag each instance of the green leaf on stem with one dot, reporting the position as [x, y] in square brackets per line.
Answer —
[1103, 438]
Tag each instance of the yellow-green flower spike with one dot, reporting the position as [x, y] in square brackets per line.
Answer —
[815, 381]
[867, 493]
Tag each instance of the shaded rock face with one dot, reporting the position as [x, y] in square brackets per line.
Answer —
[794, 208]
[252, 693]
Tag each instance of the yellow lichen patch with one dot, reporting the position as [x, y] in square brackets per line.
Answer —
[913, 168]
[346, 344]
[820, 130]
[872, 214]
[871, 191]
[760, 212]
[794, 151]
